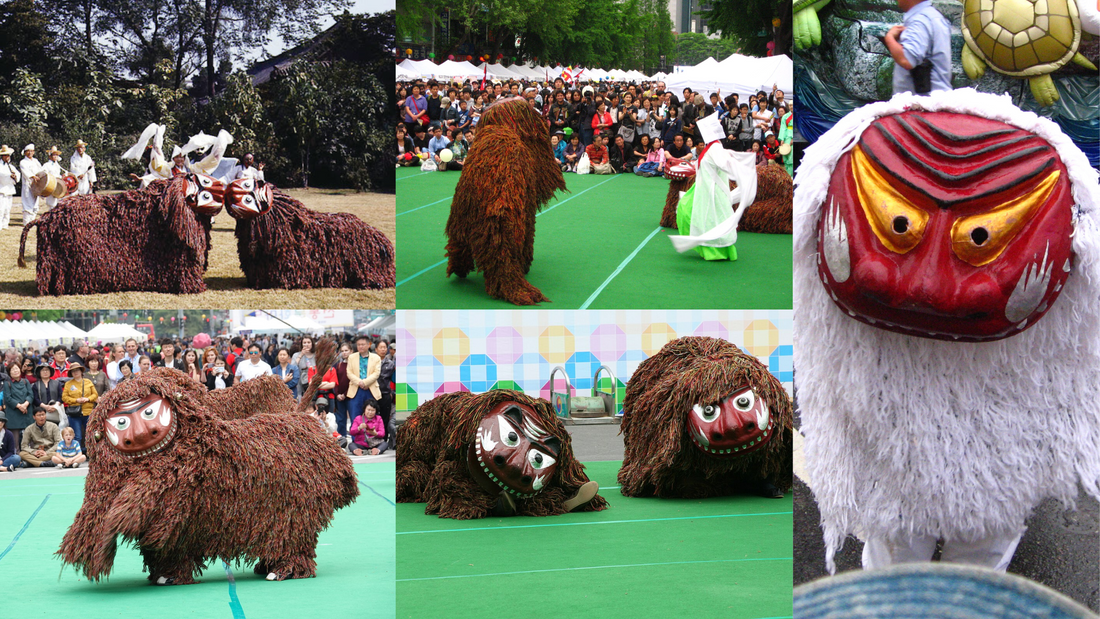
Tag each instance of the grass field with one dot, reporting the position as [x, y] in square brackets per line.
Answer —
[726, 557]
[355, 564]
[224, 278]
[597, 246]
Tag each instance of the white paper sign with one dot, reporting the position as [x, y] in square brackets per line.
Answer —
[710, 128]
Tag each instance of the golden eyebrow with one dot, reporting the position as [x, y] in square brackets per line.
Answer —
[883, 204]
[1001, 224]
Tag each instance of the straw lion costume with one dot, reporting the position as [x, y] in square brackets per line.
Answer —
[510, 173]
[700, 419]
[191, 477]
[463, 454]
[947, 356]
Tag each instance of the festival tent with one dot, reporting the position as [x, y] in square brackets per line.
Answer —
[405, 75]
[499, 71]
[115, 332]
[267, 324]
[450, 68]
[22, 333]
[382, 325]
[739, 74]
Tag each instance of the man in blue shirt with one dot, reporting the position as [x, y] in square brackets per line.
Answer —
[925, 35]
[436, 144]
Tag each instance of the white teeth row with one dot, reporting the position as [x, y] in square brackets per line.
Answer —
[155, 448]
[908, 329]
[502, 485]
[751, 443]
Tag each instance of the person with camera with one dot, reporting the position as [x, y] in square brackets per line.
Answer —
[921, 48]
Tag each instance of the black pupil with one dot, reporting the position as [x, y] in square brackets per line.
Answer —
[513, 437]
[538, 458]
[979, 235]
[901, 224]
[742, 402]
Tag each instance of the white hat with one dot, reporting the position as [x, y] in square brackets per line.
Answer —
[176, 151]
[28, 147]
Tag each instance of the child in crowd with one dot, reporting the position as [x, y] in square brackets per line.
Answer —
[367, 432]
[69, 454]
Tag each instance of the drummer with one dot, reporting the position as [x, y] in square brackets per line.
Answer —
[9, 178]
[28, 167]
[53, 168]
[82, 166]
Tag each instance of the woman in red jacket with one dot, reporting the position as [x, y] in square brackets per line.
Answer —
[601, 120]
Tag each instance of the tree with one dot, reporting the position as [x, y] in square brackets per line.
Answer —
[695, 47]
[747, 22]
[25, 38]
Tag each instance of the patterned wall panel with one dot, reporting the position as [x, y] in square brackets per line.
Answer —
[441, 351]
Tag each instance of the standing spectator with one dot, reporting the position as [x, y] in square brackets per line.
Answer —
[577, 120]
[219, 376]
[741, 129]
[80, 353]
[628, 121]
[168, 356]
[254, 367]
[598, 156]
[126, 369]
[9, 452]
[416, 109]
[435, 104]
[464, 118]
[364, 367]
[236, 353]
[386, 386]
[40, 441]
[79, 397]
[690, 114]
[132, 354]
[192, 367]
[304, 359]
[9, 179]
[59, 364]
[96, 375]
[342, 381]
[47, 392]
[113, 373]
[18, 399]
[286, 370]
[786, 136]
[672, 127]
[83, 168]
[559, 113]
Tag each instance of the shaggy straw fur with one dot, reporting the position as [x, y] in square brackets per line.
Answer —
[770, 212]
[661, 459]
[143, 239]
[915, 436]
[509, 174]
[232, 487]
[292, 247]
[431, 459]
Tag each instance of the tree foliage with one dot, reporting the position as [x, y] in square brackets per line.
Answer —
[748, 22]
[695, 47]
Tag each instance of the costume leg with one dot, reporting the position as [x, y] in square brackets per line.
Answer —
[501, 257]
[166, 569]
[879, 552]
[994, 552]
[460, 260]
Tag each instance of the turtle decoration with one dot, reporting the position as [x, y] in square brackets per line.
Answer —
[1022, 38]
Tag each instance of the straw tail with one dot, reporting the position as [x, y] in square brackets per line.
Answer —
[326, 352]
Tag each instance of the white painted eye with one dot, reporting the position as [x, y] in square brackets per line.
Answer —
[206, 196]
[508, 434]
[120, 423]
[539, 460]
[206, 181]
[247, 185]
[249, 201]
[707, 413]
[147, 414]
[744, 401]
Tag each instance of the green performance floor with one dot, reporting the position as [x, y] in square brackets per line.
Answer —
[355, 564]
[597, 246]
[722, 557]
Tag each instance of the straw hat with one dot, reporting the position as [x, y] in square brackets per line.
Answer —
[54, 150]
[6, 150]
[80, 143]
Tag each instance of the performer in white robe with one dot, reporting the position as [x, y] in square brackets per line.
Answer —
[53, 166]
[159, 166]
[28, 167]
[82, 166]
[245, 169]
[9, 178]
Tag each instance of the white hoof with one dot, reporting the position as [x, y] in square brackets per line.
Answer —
[272, 576]
[162, 581]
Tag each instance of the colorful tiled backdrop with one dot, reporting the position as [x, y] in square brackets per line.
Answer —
[440, 351]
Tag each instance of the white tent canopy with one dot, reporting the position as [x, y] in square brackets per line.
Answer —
[267, 324]
[115, 332]
[739, 74]
[23, 333]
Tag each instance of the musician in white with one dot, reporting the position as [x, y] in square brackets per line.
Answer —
[53, 167]
[28, 167]
[244, 169]
[82, 166]
[9, 178]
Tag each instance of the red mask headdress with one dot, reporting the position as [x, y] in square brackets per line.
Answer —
[248, 197]
[205, 194]
[948, 226]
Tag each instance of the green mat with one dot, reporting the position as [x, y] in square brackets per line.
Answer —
[355, 564]
[721, 557]
[597, 246]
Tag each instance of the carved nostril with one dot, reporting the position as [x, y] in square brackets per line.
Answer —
[128, 442]
[717, 436]
[750, 426]
[498, 460]
[155, 432]
[526, 480]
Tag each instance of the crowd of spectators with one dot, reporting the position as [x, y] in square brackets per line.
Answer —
[47, 396]
[622, 127]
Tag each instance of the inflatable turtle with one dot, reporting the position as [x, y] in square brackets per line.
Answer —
[1022, 38]
[806, 25]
